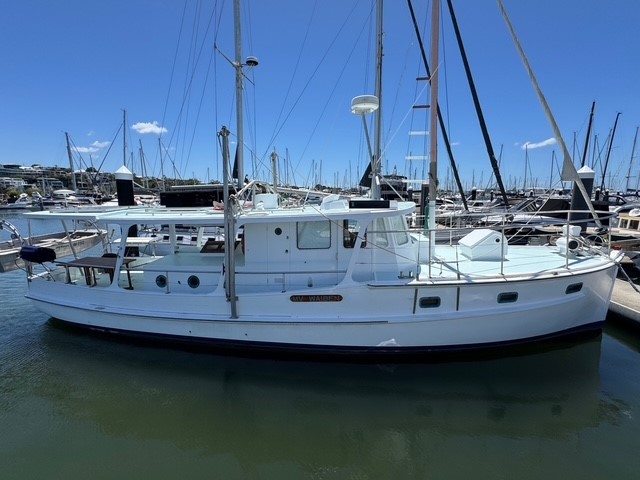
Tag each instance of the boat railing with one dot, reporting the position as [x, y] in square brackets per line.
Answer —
[595, 240]
[15, 233]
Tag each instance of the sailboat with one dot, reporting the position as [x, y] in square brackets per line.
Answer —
[345, 278]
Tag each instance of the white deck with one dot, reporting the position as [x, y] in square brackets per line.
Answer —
[521, 261]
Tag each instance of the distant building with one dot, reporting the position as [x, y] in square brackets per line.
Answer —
[12, 182]
[48, 184]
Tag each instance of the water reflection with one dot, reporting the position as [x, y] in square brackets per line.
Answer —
[225, 404]
[624, 331]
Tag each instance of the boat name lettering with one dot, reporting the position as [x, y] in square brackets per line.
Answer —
[316, 298]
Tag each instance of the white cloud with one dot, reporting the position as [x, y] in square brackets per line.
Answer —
[148, 127]
[544, 143]
[93, 148]
[86, 149]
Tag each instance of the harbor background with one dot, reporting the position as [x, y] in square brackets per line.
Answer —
[78, 406]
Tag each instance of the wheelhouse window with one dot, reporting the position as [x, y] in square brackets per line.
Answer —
[312, 235]
[385, 229]
[378, 234]
[399, 229]
[350, 232]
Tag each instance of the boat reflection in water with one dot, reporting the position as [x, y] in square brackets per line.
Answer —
[297, 419]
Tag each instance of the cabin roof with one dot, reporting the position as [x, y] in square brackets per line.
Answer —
[210, 216]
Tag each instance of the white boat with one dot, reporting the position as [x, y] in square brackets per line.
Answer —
[346, 278]
[64, 198]
[338, 278]
[62, 244]
[23, 202]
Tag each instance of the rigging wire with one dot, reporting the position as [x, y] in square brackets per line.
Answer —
[195, 55]
[173, 65]
[295, 71]
[329, 48]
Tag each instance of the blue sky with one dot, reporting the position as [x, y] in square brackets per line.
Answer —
[75, 66]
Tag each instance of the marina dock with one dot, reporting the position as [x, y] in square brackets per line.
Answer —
[625, 302]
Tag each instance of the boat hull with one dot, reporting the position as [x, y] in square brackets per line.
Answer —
[468, 316]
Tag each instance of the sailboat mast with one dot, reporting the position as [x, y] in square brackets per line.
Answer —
[633, 151]
[526, 165]
[239, 115]
[229, 227]
[586, 140]
[606, 162]
[161, 164]
[445, 136]
[73, 173]
[433, 128]
[376, 165]
[124, 137]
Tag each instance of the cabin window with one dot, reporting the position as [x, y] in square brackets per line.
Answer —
[378, 233]
[429, 302]
[161, 281]
[314, 235]
[193, 281]
[399, 229]
[507, 297]
[350, 231]
[574, 288]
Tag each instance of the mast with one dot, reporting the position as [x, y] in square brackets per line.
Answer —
[606, 161]
[445, 136]
[239, 113]
[376, 164]
[586, 140]
[73, 173]
[274, 167]
[433, 130]
[143, 166]
[526, 165]
[229, 227]
[633, 151]
[161, 164]
[124, 137]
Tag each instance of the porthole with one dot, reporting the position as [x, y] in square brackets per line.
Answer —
[429, 302]
[161, 281]
[507, 297]
[193, 281]
[278, 231]
[574, 288]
